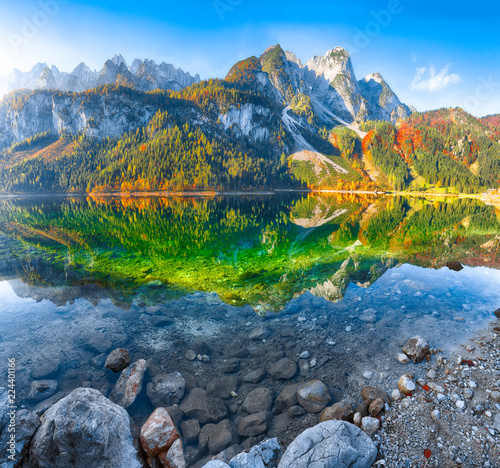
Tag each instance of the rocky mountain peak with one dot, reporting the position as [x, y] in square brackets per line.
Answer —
[377, 77]
[46, 80]
[144, 76]
[136, 64]
[291, 57]
[335, 62]
[118, 60]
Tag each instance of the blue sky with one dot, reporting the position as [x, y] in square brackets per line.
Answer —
[432, 53]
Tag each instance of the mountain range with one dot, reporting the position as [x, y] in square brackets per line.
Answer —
[273, 122]
[144, 75]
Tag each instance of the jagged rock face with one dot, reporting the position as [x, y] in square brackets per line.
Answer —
[328, 80]
[335, 62]
[46, 80]
[144, 76]
[383, 104]
[118, 60]
[136, 64]
[248, 120]
[94, 115]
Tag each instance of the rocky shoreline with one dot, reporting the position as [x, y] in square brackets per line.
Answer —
[452, 418]
[445, 411]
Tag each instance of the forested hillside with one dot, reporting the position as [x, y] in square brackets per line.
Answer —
[445, 150]
[226, 135]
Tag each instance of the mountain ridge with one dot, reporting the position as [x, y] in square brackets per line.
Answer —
[274, 122]
[144, 75]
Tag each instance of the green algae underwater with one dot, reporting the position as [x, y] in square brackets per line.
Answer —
[256, 250]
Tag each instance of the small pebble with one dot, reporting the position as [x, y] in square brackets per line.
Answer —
[402, 358]
[431, 374]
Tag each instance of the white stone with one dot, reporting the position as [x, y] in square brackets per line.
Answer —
[370, 425]
[460, 404]
[396, 395]
[368, 375]
[435, 415]
[431, 374]
[406, 385]
[402, 358]
[435, 387]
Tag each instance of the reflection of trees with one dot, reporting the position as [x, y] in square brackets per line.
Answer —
[248, 249]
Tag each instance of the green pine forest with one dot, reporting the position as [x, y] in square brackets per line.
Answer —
[186, 147]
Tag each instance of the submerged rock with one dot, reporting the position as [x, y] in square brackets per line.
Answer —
[313, 396]
[260, 399]
[287, 398]
[203, 407]
[259, 333]
[97, 343]
[284, 369]
[223, 387]
[174, 458]
[82, 430]
[45, 367]
[255, 424]
[190, 430]
[166, 389]
[255, 376]
[117, 360]
[416, 348]
[222, 436]
[200, 347]
[376, 407]
[129, 385]
[332, 444]
[42, 389]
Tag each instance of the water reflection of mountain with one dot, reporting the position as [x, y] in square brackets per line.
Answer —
[256, 250]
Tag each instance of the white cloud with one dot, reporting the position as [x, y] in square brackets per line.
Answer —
[427, 79]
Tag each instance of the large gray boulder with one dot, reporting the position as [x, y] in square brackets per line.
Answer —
[330, 444]
[85, 429]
